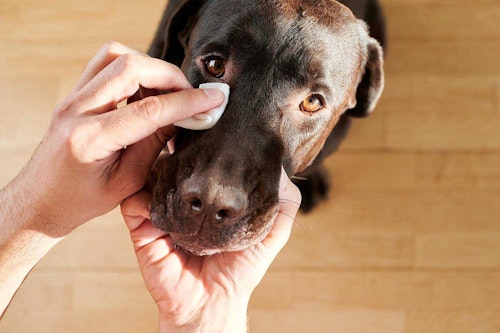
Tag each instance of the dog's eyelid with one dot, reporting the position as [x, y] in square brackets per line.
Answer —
[321, 89]
[216, 49]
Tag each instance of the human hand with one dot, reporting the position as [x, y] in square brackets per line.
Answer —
[81, 169]
[204, 294]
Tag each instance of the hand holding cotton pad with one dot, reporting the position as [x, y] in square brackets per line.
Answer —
[203, 121]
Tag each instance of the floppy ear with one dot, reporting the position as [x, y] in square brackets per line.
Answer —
[372, 83]
[175, 28]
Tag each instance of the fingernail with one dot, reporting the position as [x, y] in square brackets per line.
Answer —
[214, 93]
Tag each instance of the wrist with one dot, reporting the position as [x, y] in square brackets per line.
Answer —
[21, 245]
[219, 315]
[32, 206]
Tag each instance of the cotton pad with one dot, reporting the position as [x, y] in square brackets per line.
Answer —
[203, 121]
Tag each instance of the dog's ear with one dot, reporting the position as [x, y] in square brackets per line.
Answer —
[175, 28]
[372, 82]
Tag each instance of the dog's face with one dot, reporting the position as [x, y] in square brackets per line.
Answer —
[293, 68]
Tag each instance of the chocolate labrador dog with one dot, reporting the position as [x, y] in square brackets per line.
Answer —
[297, 71]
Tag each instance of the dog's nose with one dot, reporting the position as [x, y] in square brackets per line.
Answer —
[217, 202]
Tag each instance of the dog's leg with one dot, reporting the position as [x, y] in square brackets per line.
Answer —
[314, 185]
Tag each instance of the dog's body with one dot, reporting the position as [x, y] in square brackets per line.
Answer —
[297, 70]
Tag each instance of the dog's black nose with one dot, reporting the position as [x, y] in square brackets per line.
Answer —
[216, 202]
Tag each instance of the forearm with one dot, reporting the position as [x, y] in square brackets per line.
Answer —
[222, 316]
[18, 256]
[21, 245]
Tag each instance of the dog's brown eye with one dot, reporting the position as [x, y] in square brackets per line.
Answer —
[215, 66]
[312, 103]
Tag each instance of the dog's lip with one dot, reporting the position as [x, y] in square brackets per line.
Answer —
[193, 244]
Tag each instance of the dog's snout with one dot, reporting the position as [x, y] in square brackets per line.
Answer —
[214, 202]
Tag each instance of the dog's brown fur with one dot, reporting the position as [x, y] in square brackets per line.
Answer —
[219, 191]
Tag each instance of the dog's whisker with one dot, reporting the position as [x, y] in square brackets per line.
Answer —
[289, 216]
[295, 221]
[287, 201]
[300, 178]
[302, 227]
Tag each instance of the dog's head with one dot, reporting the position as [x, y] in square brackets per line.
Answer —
[294, 67]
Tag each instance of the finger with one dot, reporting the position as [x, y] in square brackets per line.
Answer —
[141, 119]
[135, 164]
[135, 209]
[123, 78]
[147, 234]
[290, 199]
[104, 56]
[145, 152]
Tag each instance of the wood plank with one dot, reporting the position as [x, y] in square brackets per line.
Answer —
[96, 321]
[119, 290]
[458, 250]
[366, 229]
[448, 93]
[428, 112]
[468, 321]
[111, 247]
[443, 20]
[12, 162]
[111, 20]
[327, 320]
[376, 290]
[419, 170]
[418, 129]
[83, 301]
[405, 211]
[23, 121]
[497, 99]
[326, 249]
[452, 57]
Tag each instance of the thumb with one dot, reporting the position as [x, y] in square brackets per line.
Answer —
[290, 199]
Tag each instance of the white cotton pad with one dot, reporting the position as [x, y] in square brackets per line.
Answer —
[203, 121]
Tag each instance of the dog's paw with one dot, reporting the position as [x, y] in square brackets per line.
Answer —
[314, 187]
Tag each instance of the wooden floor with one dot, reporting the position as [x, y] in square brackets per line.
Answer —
[410, 240]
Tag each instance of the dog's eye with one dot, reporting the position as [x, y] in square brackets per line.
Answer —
[215, 66]
[312, 103]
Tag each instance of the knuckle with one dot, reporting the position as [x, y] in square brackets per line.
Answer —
[176, 71]
[67, 108]
[150, 108]
[191, 96]
[126, 63]
[78, 139]
[111, 47]
[127, 69]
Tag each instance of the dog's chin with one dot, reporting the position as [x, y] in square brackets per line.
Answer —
[206, 239]
[195, 244]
